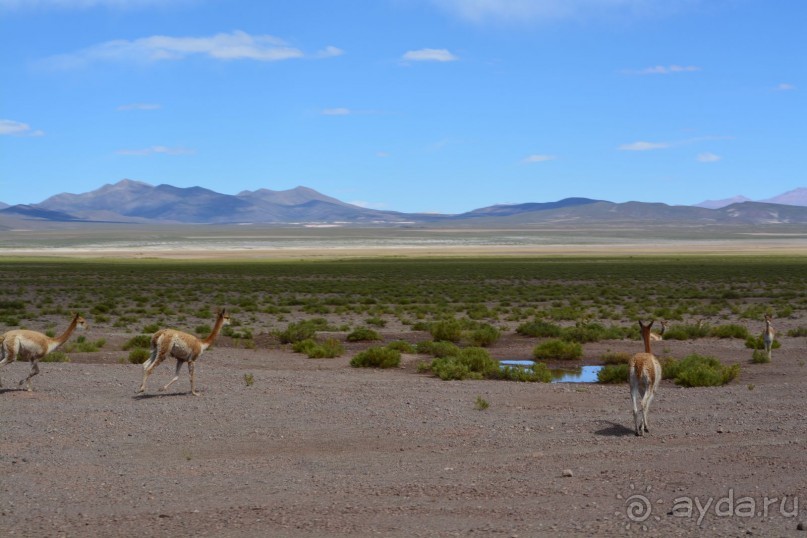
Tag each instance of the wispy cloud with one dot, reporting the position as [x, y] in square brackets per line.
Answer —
[236, 45]
[786, 87]
[644, 146]
[18, 128]
[662, 70]
[429, 55]
[649, 146]
[156, 150]
[538, 159]
[708, 157]
[524, 11]
[345, 111]
[369, 205]
[139, 106]
[339, 111]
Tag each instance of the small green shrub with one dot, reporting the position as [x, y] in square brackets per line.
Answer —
[55, 356]
[403, 347]
[613, 373]
[249, 379]
[151, 329]
[302, 330]
[759, 356]
[202, 329]
[377, 357]
[619, 357]
[729, 331]
[797, 332]
[540, 329]
[139, 355]
[328, 349]
[701, 371]
[537, 373]
[591, 332]
[756, 342]
[376, 322]
[558, 350]
[363, 334]
[468, 363]
[438, 349]
[449, 330]
[141, 340]
[481, 404]
[81, 345]
[687, 331]
[484, 336]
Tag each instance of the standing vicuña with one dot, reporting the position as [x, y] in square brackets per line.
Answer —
[659, 336]
[31, 346]
[768, 335]
[645, 376]
[183, 347]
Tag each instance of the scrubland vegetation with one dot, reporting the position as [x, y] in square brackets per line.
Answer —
[461, 306]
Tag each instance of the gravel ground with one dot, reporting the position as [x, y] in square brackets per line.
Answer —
[315, 447]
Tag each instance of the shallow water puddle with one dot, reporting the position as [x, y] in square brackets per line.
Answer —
[581, 374]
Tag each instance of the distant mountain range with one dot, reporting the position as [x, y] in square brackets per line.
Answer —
[136, 202]
[795, 197]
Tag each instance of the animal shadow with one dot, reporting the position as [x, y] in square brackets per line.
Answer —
[144, 396]
[615, 430]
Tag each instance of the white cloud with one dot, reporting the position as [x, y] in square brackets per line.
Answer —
[520, 11]
[663, 70]
[369, 205]
[155, 150]
[330, 52]
[708, 157]
[339, 111]
[17, 128]
[539, 158]
[785, 87]
[139, 106]
[429, 55]
[644, 146]
[236, 45]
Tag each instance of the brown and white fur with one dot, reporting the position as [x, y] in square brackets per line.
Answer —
[184, 347]
[645, 376]
[768, 336]
[32, 345]
[659, 336]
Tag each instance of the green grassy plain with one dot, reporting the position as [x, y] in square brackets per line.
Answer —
[501, 291]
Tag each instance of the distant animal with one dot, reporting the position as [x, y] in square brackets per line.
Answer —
[656, 337]
[645, 376]
[768, 335]
[31, 346]
[184, 347]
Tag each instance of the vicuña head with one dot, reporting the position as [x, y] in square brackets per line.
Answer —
[184, 347]
[32, 345]
[645, 376]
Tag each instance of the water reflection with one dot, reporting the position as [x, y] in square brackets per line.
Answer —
[581, 374]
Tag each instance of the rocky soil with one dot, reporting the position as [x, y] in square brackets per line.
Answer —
[315, 447]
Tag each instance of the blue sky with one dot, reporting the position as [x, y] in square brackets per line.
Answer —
[407, 105]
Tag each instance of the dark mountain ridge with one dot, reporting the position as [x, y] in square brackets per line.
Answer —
[131, 201]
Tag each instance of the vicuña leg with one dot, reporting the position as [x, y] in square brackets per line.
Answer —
[193, 379]
[34, 371]
[176, 376]
[148, 367]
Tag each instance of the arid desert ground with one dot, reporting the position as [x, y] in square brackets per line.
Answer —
[282, 445]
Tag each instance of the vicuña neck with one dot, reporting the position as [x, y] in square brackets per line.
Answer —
[214, 333]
